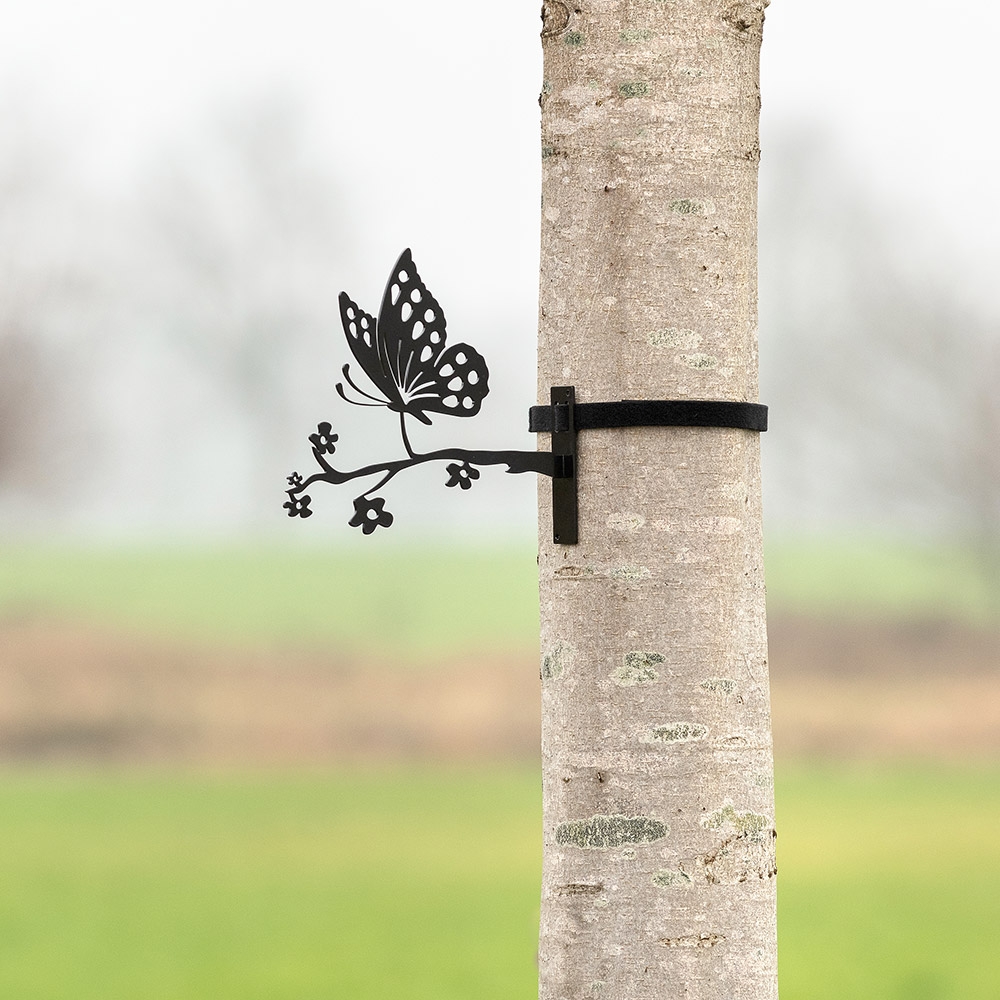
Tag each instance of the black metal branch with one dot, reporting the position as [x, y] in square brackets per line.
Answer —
[379, 484]
[516, 461]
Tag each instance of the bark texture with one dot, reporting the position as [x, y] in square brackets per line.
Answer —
[659, 870]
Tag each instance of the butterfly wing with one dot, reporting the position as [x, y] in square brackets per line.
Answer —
[459, 385]
[411, 343]
[361, 331]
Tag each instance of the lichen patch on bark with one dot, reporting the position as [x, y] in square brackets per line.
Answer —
[693, 940]
[556, 661]
[638, 667]
[668, 878]
[692, 206]
[679, 732]
[700, 362]
[634, 88]
[603, 832]
[748, 824]
[719, 685]
[745, 854]
[580, 889]
[671, 336]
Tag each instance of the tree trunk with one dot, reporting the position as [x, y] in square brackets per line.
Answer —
[659, 865]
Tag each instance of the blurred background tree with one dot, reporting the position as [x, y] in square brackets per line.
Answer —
[243, 236]
[884, 361]
[47, 285]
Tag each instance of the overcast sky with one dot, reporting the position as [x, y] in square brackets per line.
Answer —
[426, 115]
[428, 108]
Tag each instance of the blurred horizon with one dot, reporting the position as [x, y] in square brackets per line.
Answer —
[172, 253]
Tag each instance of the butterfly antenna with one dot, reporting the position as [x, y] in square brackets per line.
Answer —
[340, 389]
[354, 402]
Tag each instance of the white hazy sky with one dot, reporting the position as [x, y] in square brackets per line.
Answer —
[428, 108]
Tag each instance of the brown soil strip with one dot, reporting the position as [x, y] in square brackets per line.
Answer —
[73, 692]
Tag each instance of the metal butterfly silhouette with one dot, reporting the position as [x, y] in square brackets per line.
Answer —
[404, 355]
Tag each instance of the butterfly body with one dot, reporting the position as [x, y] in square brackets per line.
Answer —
[404, 352]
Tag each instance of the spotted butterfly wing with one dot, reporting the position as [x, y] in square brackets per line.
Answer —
[360, 329]
[404, 352]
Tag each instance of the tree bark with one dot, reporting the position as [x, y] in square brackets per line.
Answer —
[659, 871]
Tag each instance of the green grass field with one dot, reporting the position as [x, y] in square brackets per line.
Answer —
[426, 601]
[858, 577]
[889, 883]
[412, 601]
[423, 885]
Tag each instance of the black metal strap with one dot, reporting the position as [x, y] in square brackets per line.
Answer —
[655, 413]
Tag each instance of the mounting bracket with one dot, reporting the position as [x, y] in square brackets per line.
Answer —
[565, 529]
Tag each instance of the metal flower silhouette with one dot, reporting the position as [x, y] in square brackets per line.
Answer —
[324, 440]
[369, 514]
[461, 475]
